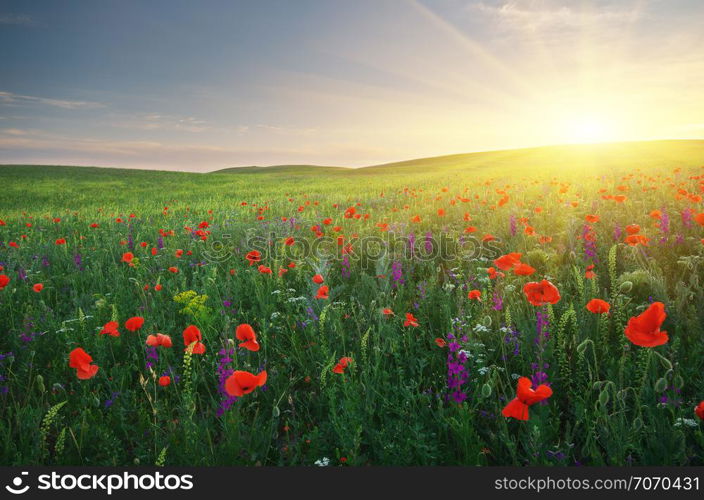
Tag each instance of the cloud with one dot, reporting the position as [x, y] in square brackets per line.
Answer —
[159, 121]
[19, 99]
[17, 20]
[543, 15]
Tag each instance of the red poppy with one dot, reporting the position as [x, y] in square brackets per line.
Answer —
[633, 229]
[387, 311]
[637, 239]
[253, 257]
[318, 279]
[134, 324]
[81, 361]
[341, 365]
[592, 219]
[110, 328]
[289, 241]
[541, 293]
[190, 335]
[127, 257]
[240, 383]
[474, 295]
[589, 272]
[264, 270]
[164, 380]
[493, 274]
[322, 292]
[525, 397]
[60, 241]
[246, 333]
[644, 330]
[699, 410]
[410, 320]
[598, 306]
[159, 340]
[440, 342]
[173, 269]
[38, 287]
[506, 262]
[522, 269]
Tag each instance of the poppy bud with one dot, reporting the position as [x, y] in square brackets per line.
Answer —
[40, 384]
[679, 381]
[276, 412]
[487, 321]
[661, 385]
[625, 287]
[604, 397]
[136, 461]
[486, 390]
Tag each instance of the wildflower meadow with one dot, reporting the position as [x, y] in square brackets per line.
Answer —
[548, 314]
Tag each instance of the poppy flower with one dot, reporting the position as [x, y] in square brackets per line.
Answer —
[110, 328]
[598, 306]
[525, 397]
[474, 295]
[241, 382]
[633, 229]
[410, 320]
[440, 342]
[173, 269]
[341, 365]
[253, 257]
[159, 340]
[190, 335]
[699, 410]
[589, 272]
[541, 293]
[264, 270]
[318, 279]
[164, 380]
[134, 324]
[322, 292]
[699, 219]
[506, 262]
[127, 257]
[592, 219]
[493, 274]
[522, 269]
[644, 330]
[636, 239]
[60, 241]
[387, 311]
[246, 333]
[289, 241]
[38, 287]
[81, 361]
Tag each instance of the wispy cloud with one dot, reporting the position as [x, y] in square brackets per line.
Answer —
[159, 121]
[17, 20]
[11, 98]
[541, 15]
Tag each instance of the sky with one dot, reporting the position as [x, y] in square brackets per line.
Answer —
[199, 86]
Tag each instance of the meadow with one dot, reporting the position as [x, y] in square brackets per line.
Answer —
[528, 307]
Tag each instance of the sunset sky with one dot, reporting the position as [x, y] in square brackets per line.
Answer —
[185, 85]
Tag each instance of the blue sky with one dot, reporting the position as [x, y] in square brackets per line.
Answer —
[198, 86]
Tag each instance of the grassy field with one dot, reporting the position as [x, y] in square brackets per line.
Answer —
[412, 352]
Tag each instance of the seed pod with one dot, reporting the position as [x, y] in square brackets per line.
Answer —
[486, 390]
[626, 287]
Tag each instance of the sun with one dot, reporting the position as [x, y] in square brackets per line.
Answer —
[587, 128]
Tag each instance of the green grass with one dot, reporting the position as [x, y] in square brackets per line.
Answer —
[613, 402]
